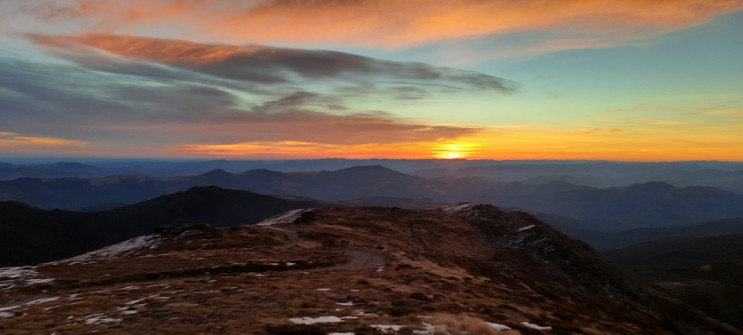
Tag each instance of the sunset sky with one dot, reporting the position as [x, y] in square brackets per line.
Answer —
[653, 80]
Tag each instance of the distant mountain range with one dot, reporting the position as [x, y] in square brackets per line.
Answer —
[603, 241]
[600, 174]
[653, 204]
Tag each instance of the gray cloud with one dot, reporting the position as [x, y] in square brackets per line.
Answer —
[160, 100]
[273, 65]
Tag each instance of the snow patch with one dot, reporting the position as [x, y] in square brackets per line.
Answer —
[387, 328]
[32, 302]
[360, 312]
[11, 277]
[463, 208]
[122, 249]
[498, 327]
[536, 326]
[286, 217]
[99, 318]
[322, 289]
[135, 301]
[6, 315]
[349, 303]
[18, 272]
[525, 228]
[430, 329]
[310, 321]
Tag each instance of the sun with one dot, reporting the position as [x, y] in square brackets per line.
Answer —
[451, 151]
[452, 155]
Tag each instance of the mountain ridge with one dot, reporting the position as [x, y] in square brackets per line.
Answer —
[31, 235]
[363, 270]
[654, 204]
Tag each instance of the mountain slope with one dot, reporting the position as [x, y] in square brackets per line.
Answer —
[641, 205]
[603, 241]
[460, 269]
[704, 272]
[31, 235]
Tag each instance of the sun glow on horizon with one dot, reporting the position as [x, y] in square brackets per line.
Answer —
[455, 150]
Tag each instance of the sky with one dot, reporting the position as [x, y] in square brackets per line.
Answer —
[633, 80]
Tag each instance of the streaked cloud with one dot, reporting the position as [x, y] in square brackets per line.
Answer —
[263, 64]
[292, 119]
[381, 23]
[163, 94]
[306, 78]
[296, 149]
[14, 141]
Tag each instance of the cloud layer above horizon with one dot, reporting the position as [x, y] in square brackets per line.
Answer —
[345, 78]
[173, 92]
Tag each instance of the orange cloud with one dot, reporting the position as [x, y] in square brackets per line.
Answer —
[307, 150]
[393, 23]
[271, 64]
[503, 143]
[8, 139]
[152, 49]
[302, 127]
[15, 143]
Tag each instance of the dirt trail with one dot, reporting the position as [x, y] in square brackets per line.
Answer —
[360, 260]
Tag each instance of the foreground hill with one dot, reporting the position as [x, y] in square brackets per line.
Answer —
[707, 273]
[466, 269]
[31, 235]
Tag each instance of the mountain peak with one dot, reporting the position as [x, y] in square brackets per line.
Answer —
[216, 172]
[655, 186]
[369, 169]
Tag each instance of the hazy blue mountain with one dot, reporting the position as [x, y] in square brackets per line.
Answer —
[621, 208]
[53, 170]
[613, 240]
[654, 204]
[600, 174]
[603, 174]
